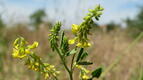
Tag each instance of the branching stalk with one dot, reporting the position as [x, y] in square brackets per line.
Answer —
[64, 63]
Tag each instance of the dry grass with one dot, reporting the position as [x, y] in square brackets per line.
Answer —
[105, 49]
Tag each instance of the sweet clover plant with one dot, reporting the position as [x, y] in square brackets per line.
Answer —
[60, 44]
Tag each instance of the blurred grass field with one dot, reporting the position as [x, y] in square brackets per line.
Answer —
[106, 47]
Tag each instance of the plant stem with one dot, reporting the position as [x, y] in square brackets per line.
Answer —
[118, 59]
[72, 62]
[72, 65]
[64, 63]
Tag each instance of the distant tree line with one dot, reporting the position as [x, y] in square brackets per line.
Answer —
[135, 26]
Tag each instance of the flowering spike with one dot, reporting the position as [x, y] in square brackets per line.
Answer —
[53, 37]
[82, 31]
[22, 50]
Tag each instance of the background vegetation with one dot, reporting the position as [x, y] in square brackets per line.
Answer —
[109, 42]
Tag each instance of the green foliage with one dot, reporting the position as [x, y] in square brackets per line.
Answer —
[37, 17]
[96, 73]
[84, 55]
[79, 54]
[84, 63]
[71, 52]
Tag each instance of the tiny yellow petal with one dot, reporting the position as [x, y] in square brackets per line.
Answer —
[22, 56]
[89, 44]
[36, 69]
[58, 72]
[85, 70]
[37, 64]
[34, 45]
[85, 77]
[49, 34]
[71, 41]
[78, 66]
[79, 45]
[75, 28]
[46, 75]
[16, 41]
[15, 55]
[27, 51]
[83, 45]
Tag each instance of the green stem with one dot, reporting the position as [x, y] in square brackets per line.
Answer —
[64, 63]
[118, 59]
[72, 62]
[141, 74]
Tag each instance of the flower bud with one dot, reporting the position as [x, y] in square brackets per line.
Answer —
[75, 28]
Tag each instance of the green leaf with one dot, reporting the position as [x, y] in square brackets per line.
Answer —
[84, 55]
[71, 52]
[62, 36]
[79, 54]
[84, 63]
[96, 73]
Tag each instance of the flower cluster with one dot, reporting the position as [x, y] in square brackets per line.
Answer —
[83, 72]
[82, 31]
[23, 51]
[46, 69]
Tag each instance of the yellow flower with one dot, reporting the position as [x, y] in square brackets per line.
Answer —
[57, 72]
[85, 77]
[52, 66]
[86, 44]
[32, 67]
[79, 45]
[27, 51]
[78, 66]
[46, 75]
[75, 28]
[16, 54]
[36, 69]
[71, 41]
[16, 41]
[82, 68]
[83, 45]
[37, 64]
[85, 70]
[20, 49]
[34, 45]
[89, 44]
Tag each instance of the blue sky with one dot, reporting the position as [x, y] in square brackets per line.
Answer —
[70, 11]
